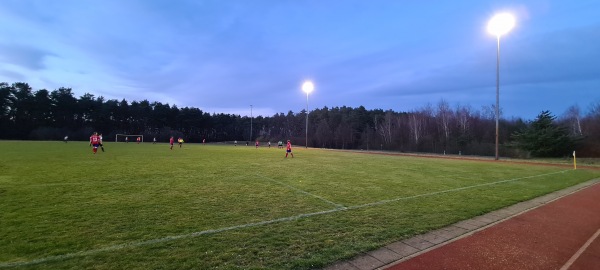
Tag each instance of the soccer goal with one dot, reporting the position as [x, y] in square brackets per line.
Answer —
[127, 137]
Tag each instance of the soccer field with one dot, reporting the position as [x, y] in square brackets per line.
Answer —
[143, 206]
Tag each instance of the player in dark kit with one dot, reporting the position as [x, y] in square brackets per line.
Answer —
[101, 143]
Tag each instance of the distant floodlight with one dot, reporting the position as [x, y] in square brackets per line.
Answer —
[308, 87]
[501, 24]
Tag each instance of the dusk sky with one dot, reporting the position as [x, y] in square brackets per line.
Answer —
[224, 55]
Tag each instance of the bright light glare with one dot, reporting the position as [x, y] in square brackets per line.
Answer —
[501, 24]
[308, 87]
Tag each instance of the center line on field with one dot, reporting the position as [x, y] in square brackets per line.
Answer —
[249, 225]
[337, 205]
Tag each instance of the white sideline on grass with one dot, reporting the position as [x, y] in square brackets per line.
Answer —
[248, 225]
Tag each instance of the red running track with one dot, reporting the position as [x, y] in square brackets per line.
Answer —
[563, 234]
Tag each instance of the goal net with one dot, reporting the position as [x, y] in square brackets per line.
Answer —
[128, 138]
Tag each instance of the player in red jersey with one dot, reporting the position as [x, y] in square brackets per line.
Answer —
[138, 140]
[288, 149]
[171, 141]
[256, 144]
[95, 142]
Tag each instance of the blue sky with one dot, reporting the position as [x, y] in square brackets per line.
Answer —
[225, 55]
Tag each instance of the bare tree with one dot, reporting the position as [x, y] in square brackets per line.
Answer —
[573, 117]
[418, 123]
[488, 112]
[595, 109]
[384, 128]
[415, 123]
[444, 115]
[463, 116]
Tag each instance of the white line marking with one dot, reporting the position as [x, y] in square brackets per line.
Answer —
[337, 205]
[449, 190]
[242, 226]
[164, 239]
[95, 183]
[580, 251]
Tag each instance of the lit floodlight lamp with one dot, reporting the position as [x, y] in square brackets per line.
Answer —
[501, 24]
[308, 87]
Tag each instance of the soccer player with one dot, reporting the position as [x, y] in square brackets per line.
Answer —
[66, 139]
[101, 143]
[269, 143]
[180, 141]
[235, 143]
[203, 141]
[256, 144]
[138, 140]
[154, 140]
[171, 141]
[127, 139]
[288, 149]
[95, 141]
[280, 145]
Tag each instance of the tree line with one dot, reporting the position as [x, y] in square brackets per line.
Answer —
[26, 114]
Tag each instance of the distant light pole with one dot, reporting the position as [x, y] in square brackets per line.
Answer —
[307, 87]
[251, 122]
[499, 25]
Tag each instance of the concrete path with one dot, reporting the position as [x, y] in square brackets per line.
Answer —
[557, 230]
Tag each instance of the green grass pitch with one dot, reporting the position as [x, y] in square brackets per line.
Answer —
[143, 206]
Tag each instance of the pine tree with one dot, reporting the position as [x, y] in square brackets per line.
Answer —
[543, 138]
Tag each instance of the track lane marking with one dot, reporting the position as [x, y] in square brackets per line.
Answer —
[580, 251]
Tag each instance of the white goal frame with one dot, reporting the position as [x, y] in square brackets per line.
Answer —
[128, 135]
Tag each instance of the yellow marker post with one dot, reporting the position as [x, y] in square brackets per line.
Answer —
[574, 161]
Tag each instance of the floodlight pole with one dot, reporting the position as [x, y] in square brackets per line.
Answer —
[497, 94]
[307, 87]
[306, 143]
[499, 25]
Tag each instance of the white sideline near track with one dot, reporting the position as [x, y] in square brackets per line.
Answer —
[337, 205]
[248, 225]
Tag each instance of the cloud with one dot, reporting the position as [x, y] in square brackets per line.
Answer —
[228, 55]
[24, 56]
[560, 56]
[11, 76]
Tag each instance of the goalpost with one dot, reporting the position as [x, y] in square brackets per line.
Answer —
[132, 138]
